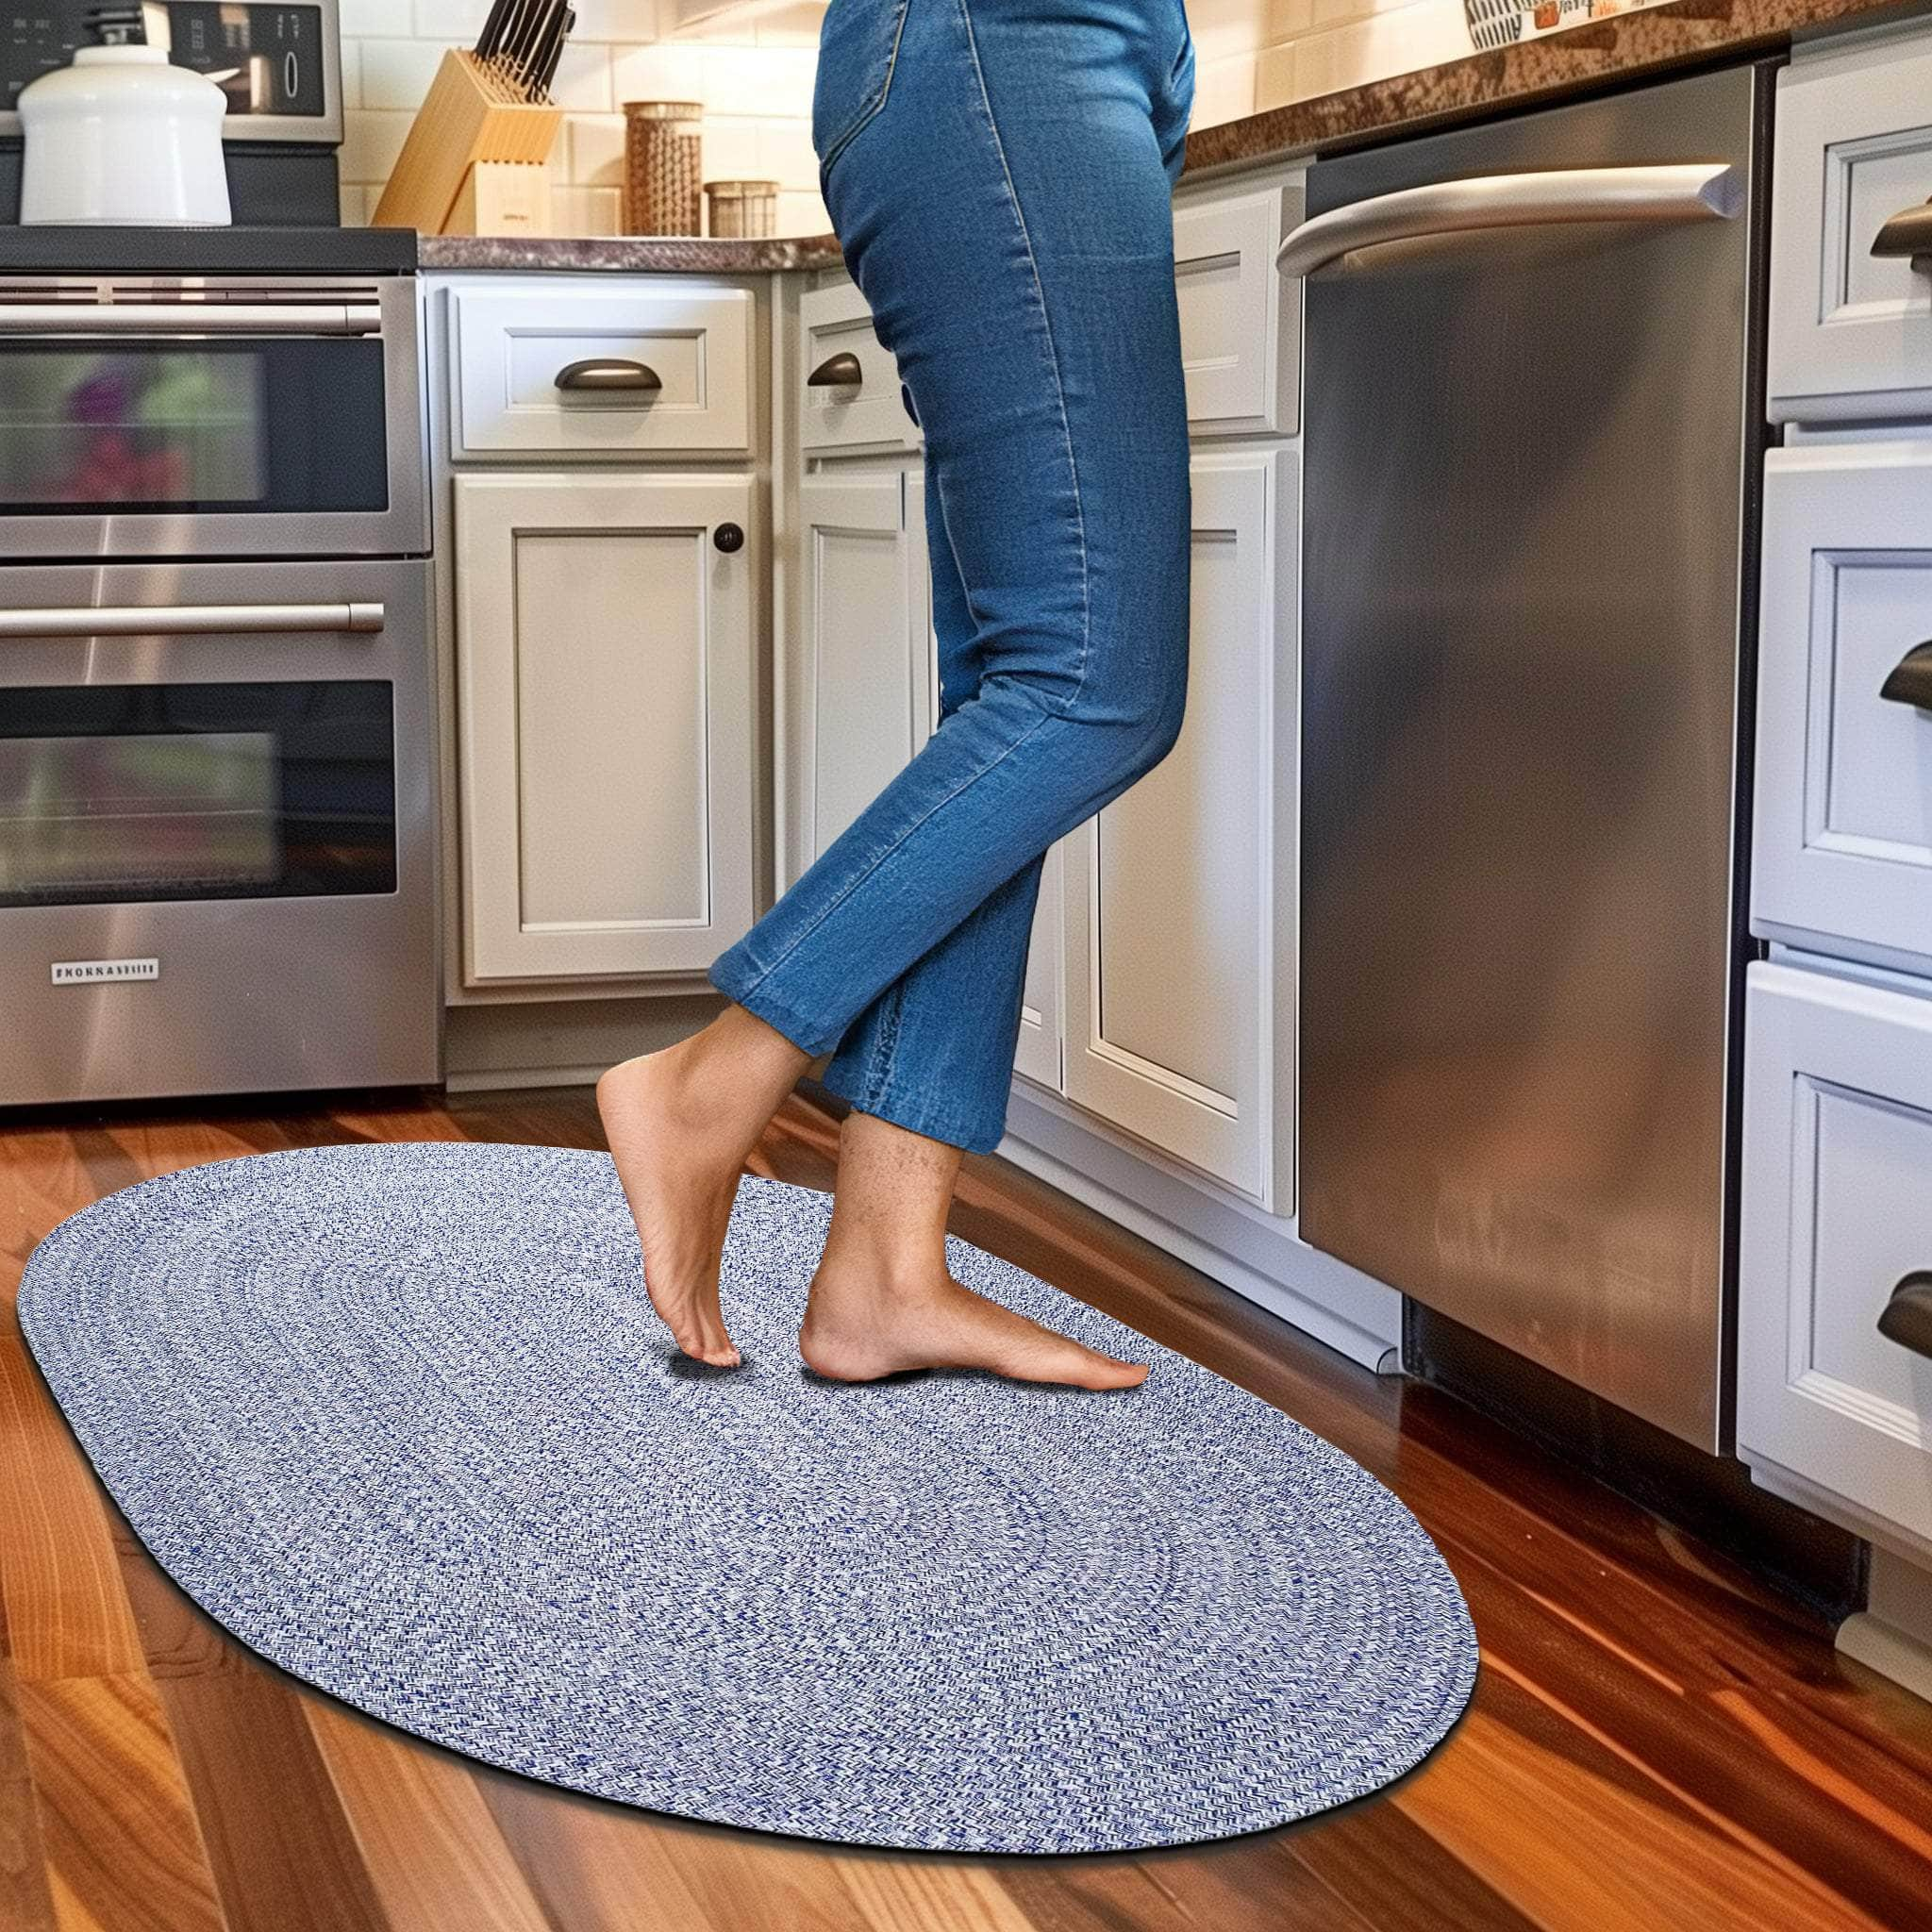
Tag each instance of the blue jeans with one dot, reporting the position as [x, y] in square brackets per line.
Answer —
[999, 174]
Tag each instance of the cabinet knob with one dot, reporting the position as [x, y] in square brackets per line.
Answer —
[1910, 682]
[1907, 1318]
[728, 536]
[608, 373]
[835, 372]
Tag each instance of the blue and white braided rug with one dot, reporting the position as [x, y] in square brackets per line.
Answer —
[401, 1418]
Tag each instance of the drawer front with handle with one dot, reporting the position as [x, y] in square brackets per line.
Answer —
[599, 371]
[1842, 847]
[1834, 1343]
[1851, 235]
[1241, 323]
[849, 399]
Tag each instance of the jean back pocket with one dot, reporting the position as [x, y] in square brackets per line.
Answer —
[858, 41]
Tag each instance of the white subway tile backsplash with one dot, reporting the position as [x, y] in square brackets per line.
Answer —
[728, 150]
[371, 143]
[802, 213]
[444, 20]
[397, 74]
[583, 78]
[592, 152]
[1223, 91]
[583, 210]
[658, 73]
[784, 154]
[753, 75]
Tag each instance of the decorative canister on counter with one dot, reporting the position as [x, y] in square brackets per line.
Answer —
[741, 209]
[661, 168]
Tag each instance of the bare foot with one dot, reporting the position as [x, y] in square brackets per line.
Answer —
[859, 1325]
[679, 1165]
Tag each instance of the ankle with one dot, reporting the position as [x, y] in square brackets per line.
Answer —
[879, 1269]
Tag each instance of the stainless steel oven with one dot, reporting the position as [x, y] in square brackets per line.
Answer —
[218, 845]
[210, 416]
[217, 834]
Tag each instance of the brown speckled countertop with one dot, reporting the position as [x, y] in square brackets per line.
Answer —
[698, 255]
[1626, 46]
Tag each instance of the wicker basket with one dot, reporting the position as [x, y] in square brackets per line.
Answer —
[661, 168]
[741, 208]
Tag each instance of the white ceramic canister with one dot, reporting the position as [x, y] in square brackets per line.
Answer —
[122, 135]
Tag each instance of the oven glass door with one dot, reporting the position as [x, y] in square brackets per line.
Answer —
[269, 425]
[117, 795]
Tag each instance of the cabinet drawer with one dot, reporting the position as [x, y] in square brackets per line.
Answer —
[1843, 836]
[1851, 333]
[867, 412]
[516, 361]
[1837, 1210]
[1241, 323]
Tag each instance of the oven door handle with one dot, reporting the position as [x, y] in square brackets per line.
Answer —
[187, 620]
[1675, 191]
[190, 318]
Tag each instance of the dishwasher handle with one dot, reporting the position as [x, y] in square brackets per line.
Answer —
[1672, 192]
[187, 620]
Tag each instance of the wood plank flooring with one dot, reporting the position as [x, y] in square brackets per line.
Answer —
[1655, 1742]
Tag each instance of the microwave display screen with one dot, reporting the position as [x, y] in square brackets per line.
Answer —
[118, 794]
[158, 425]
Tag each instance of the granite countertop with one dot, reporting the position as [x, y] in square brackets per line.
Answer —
[1626, 46]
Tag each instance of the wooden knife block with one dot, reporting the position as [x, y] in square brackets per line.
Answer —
[502, 198]
[471, 114]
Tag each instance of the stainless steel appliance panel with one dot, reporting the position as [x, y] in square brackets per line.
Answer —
[255, 986]
[242, 383]
[1527, 468]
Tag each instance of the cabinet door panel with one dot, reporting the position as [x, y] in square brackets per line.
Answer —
[604, 651]
[1241, 323]
[1038, 1053]
[1836, 1213]
[865, 635]
[1170, 904]
[1842, 848]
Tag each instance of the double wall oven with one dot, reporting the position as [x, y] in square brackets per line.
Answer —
[217, 793]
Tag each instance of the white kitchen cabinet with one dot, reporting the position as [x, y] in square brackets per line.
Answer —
[1850, 332]
[1042, 1049]
[603, 697]
[1842, 847]
[864, 632]
[532, 366]
[1837, 1210]
[1241, 323]
[864, 408]
[1172, 920]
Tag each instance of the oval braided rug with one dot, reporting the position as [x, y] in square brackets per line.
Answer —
[401, 1418]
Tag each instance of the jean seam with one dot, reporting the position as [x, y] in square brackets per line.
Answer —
[1053, 357]
[852, 884]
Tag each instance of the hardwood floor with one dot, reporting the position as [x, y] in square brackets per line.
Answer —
[1655, 1743]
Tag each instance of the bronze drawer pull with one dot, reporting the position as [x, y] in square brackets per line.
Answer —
[608, 373]
[835, 372]
[1909, 233]
[1907, 1318]
[1910, 680]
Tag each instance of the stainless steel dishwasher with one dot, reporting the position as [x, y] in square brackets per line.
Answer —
[1532, 438]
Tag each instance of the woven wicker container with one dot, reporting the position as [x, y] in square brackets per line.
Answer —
[661, 168]
[741, 209]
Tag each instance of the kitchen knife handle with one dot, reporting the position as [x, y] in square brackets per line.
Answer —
[608, 373]
[1910, 681]
[835, 372]
[1907, 1318]
[1907, 233]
